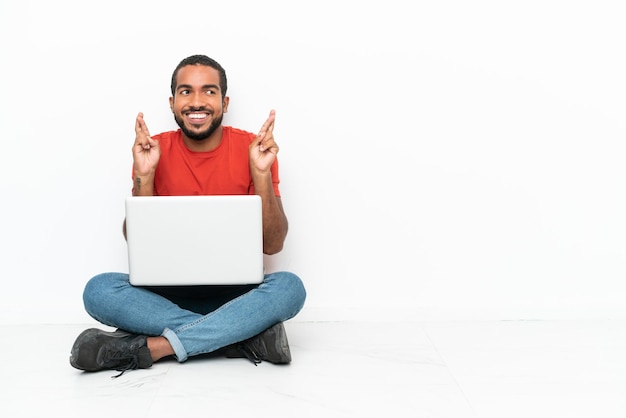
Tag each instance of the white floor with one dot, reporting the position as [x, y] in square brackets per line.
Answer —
[491, 369]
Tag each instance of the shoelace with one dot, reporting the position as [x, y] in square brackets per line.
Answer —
[250, 354]
[121, 361]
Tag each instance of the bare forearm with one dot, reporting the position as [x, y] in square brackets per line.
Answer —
[275, 226]
[143, 185]
[275, 223]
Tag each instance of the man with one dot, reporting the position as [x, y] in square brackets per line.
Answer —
[202, 157]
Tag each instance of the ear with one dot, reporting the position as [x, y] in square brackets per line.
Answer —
[172, 104]
[225, 104]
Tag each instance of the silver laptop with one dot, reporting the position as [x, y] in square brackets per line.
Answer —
[194, 240]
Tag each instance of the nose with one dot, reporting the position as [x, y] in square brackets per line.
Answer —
[196, 100]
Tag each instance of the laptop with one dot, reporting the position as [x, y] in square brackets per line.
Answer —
[194, 240]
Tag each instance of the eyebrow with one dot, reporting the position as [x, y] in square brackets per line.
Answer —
[204, 87]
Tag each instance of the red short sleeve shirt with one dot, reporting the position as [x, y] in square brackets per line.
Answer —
[223, 171]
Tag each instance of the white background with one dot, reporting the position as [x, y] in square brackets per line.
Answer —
[445, 159]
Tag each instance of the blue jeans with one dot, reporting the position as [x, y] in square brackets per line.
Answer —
[198, 319]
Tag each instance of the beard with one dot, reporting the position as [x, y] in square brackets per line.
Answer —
[199, 135]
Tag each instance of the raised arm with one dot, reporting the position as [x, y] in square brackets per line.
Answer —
[262, 153]
[146, 154]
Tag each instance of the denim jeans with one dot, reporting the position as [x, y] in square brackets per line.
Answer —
[198, 319]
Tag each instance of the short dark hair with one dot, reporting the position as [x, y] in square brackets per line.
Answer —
[201, 60]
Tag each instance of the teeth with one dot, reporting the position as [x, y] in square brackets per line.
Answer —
[197, 115]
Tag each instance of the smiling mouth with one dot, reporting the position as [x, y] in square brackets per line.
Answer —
[197, 118]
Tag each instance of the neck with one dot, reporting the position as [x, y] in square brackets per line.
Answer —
[204, 145]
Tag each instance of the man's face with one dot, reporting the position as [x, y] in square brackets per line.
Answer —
[197, 104]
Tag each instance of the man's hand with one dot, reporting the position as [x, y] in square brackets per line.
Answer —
[263, 149]
[146, 151]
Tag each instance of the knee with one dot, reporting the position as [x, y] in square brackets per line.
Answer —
[99, 288]
[292, 286]
[298, 289]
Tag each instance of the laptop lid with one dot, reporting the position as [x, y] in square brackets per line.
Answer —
[194, 240]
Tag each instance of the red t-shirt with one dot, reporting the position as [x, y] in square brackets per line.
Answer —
[223, 171]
